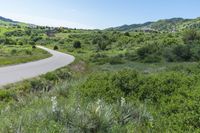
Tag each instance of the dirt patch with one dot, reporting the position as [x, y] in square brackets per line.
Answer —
[79, 66]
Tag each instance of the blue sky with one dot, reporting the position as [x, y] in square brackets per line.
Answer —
[96, 13]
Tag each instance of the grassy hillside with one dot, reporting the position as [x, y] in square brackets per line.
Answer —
[10, 55]
[120, 82]
[16, 45]
[10, 22]
[170, 25]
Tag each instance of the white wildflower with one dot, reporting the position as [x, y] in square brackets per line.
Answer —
[98, 105]
[99, 102]
[97, 109]
[123, 101]
[54, 104]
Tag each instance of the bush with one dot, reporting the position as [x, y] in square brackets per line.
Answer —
[152, 59]
[147, 50]
[111, 86]
[13, 51]
[28, 52]
[55, 47]
[182, 52]
[127, 34]
[116, 60]
[191, 36]
[40, 85]
[99, 58]
[99, 86]
[127, 81]
[77, 44]
[51, 76]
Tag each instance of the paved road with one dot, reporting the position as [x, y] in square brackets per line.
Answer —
[12, 74]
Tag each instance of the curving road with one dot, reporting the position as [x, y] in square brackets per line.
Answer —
[16, 73]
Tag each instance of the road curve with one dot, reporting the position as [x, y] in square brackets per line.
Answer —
[16, 73]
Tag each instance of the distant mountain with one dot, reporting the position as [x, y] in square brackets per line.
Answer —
[9, 22]
[169, 25]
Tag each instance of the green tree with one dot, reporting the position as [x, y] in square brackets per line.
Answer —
[77, 44]
[55, 47]
[127, 34]
[182, 52]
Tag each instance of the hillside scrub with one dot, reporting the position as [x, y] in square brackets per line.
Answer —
[132, 81]
[119, 101]
[171, 93]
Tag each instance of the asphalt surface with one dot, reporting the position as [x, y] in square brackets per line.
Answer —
[16, 73]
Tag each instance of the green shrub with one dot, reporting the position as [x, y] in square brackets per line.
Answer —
[28, 52]
[127, 81]
[77, 44]
[152, 59]
[116, 60]
[191, 36]
[55, 47]
[13, 51]
[98, 86]
[182, 52]
[51, 76]
[40, 85]
[5, 95]
[99, 58]
[111, 86]
[149, 54]
[127, 34]
[63, 74]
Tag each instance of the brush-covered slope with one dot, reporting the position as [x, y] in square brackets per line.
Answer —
[174, 24]
[10, 22]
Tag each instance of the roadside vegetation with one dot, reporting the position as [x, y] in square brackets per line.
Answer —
[120, 82]
[12, 54]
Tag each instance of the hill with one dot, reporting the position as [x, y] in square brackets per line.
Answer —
[9, 22]
[168, 25]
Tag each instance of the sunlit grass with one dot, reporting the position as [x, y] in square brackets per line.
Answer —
[10, 55]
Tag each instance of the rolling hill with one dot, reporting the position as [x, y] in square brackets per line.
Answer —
[168, 25]
[9, 22]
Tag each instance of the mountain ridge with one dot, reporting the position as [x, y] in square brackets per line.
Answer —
[170, 25]
[7, 20]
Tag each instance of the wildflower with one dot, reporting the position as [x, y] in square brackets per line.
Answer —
[98, 102]
[54, 104]
[123, 101]
[98, 105]
[97, 109]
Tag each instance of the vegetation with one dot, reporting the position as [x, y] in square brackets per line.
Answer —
[12, 54]
[136, 81]
[55, 48]
[165, 25]
[77, 44]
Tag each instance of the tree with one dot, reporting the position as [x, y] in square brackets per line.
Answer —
[126, 34]
[55, 47]
[20, 43]
[34, 47]
[77, 44]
